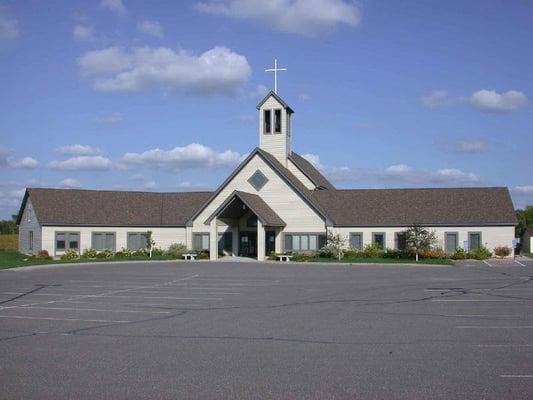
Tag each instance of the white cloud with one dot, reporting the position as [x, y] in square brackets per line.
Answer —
[23, 163]
[437, 98]
[79, 150]
[303, 17]
[83, 33]
[152, 28]
[527, 189]
[216, 71]
[394, 173]
[191, 156]
[70, 183]
[112, 118]
[8, 26]
[491, 101]
[4, 155]
[114, 5]
[304, 96]
[471, 146]
[87, 163]
[11, 199]
[137, 177]
[150, 185]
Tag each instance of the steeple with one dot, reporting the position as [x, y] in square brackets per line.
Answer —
[275, 127]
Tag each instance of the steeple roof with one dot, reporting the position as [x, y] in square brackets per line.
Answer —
[279, 99]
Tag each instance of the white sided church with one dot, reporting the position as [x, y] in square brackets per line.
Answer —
[274, 201]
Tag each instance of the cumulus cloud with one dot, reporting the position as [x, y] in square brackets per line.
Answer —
[82, 33]
[191, 156]
[526, 189]
[79, 150]
[216, 71]
[303, 17]
[396, 173]
[23, 163]
[70, 183]
[471, 146]
[10, 200]
[8, 26]
[437, 98]
[492, 101]
[152, 28]
[82, 163]
[116, 6]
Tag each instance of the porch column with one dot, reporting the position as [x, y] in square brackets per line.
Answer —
[188, 237]
[278, 242]
[235, 239]
[260, 241]
[213, 240]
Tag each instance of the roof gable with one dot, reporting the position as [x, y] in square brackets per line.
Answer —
[310, 172]
[278, 99]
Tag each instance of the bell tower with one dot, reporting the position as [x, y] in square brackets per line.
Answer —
[275, 122]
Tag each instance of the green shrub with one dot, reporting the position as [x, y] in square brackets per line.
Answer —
[121, 254]
[202, 254]
[353, 253]
[89, 253]
[328, 252]
[392, 253]
[459, 254]
[372, 251]
[157, 251]
[140, 253]
[176, 250]
[481, 254]
[434, 252]
[70, 255]
[502, 251]
[105, 254]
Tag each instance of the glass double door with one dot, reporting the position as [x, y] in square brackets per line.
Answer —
[248, 243]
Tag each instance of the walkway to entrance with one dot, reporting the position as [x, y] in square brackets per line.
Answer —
[237, 259]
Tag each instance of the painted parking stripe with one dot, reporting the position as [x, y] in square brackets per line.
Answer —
[90, 309]
[505, 345]
[60, 319]
[519, 263]
[516, 376]
[141, 305]
[494, 327]
[478, 300]
[486, 262]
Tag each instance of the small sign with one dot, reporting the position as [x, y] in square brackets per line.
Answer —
[514, 243]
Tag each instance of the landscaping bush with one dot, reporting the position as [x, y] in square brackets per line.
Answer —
[202, 254]
[352, 253]
[43, 254]
[89, 253]
[481, 254]
[372, 251]
[392, 253]
[121, 254]
[105, 254]
[502, 251]
[70, 255]
[157, 251]
[176, 250]
[140, 253]
[435, 252]
[328, 252]
[460, 254]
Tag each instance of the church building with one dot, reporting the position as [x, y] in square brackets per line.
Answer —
[274, 201]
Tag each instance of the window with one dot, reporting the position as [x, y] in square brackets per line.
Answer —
[474, 241]
[277, 121]
[267, 117]
[356, 240]
[137, 240]
[251, 222]
[67, 241]
[304, 242]
[31, 240]
[103, 241]
[399, 241]
[225, 242]
[378, 239]
[200, 241]
[258, 180]
[450, 242]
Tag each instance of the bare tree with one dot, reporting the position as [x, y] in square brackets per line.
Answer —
[336, 243]
[150, 242]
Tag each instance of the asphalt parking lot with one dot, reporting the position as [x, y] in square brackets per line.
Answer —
[181, 330]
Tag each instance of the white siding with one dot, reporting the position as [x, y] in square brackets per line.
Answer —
[300, 175]
[491, 236]
[298, 216]
[29, 223]
[163, 237]
[277, 144]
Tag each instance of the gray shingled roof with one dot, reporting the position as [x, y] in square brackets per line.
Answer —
[113, 208]
[310, 171]
[256, 204]
[402, 207]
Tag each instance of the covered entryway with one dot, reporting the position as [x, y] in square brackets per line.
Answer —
[254, 226]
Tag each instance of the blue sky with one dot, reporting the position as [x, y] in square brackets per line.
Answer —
[161, 95]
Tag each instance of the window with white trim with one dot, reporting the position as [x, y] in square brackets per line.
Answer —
[103, 241]
[137, 240]
[67, 241]
[304, 242]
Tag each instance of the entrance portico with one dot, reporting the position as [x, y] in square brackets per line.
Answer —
[255, 228]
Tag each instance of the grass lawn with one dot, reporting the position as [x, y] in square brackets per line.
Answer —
[439, 261]
[12, 258]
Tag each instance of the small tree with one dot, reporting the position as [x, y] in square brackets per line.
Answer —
[418, 239]
[336, 243]
[149, 242]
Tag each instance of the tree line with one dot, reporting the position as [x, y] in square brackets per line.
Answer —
[9, 226]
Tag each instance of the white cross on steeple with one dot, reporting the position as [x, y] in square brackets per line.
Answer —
[275, 70]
